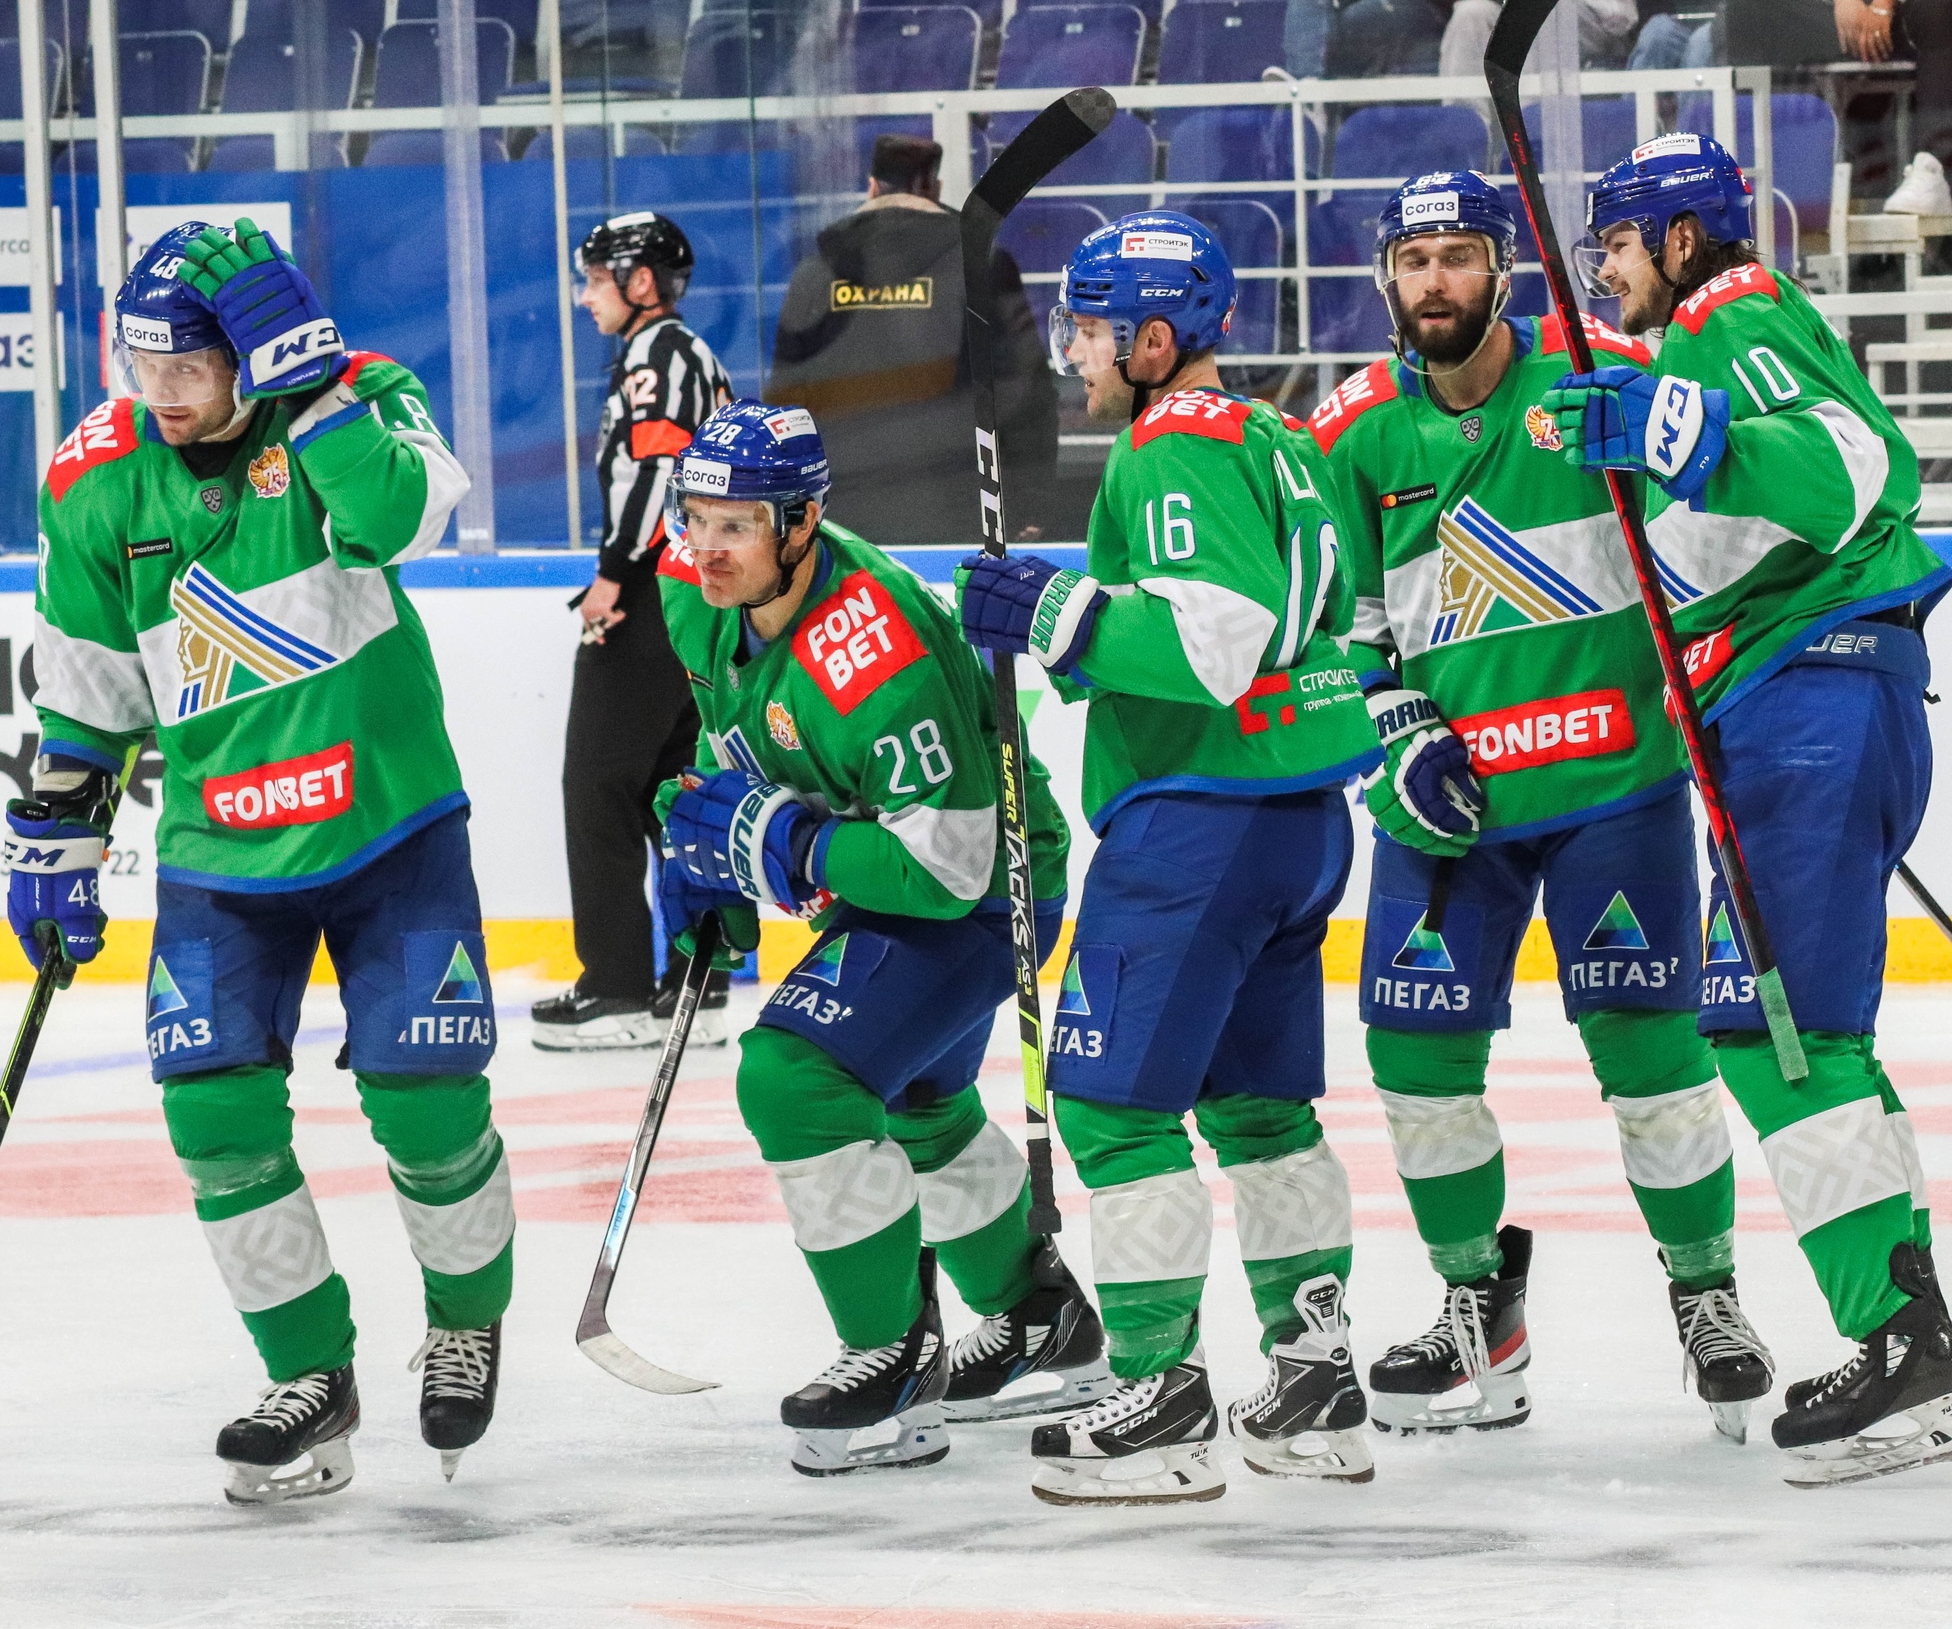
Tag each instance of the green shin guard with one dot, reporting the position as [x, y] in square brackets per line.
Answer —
[231, 1130]
[1658, 1074]
[1151, 1225]
[849, 1189]
[1840, 1149]
[451, 1181]
[1448, 1150]
[975, 1196]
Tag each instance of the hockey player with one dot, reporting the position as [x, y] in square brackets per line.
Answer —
[848, 773]
[631, 718]
[216, 565]
[1780, 503]
[1208, 636]
[1507, 662]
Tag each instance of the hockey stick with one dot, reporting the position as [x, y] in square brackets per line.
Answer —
[1046, 142]
[1919, 892]
[598, 1342]
[1504, 60]
[46, 982]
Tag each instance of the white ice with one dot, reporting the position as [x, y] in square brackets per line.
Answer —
[591, 1503]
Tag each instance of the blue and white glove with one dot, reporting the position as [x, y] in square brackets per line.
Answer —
[268, 309]
[734, 831]
[1423, 794]
[1621, 418]
[1020, 603]
[54, 863]
[682, 904]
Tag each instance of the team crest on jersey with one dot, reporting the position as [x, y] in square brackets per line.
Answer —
[1543, 428]
[1424, 951]
[1489, 580]
[213, 499]
[1471, 428]
[270, 472]
[780, 725]
[225, 649]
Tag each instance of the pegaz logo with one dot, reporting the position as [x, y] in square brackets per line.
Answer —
[916, 294]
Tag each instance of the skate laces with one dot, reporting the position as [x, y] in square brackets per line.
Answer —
[1717, 1328]
[1464, 1317]
[1838, 1378]
[290, 1401]
[857, 1365]
[456, 1360]
[983, 1342]
[1128, 1394]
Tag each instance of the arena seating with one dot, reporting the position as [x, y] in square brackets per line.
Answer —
[262, 78]
[161, 74]
[408, 74]
[1061, 46]
[11, 152]
[915, 48]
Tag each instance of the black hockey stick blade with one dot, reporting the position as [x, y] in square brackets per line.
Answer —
[1062, 129]
[1922, 894]
[594, 1336]
[28, 1036]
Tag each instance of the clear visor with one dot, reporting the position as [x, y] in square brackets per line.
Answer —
[1081, 345]
[706, 522]
[1413, 260]
[174, 378]
[1623, 245]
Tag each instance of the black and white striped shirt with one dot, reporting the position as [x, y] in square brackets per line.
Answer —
[666, 384]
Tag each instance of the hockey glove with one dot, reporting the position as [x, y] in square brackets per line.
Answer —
[735, 831]
[1423, 794]
[268, 308]
[682, 905]
[1621, 418]
[54, 861]
[1021, 603]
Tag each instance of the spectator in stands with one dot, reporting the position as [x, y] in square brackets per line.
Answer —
[1605, 32]
[1375, 37]
[1665, 41]
[871, 340]
[1921, 30]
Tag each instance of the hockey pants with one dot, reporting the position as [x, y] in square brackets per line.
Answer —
[1660, 1079]
[865, 1188]
[1152, 1216]
[231, 1129]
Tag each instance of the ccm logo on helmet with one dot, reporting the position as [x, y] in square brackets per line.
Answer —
[1155, 246]
[294, 792]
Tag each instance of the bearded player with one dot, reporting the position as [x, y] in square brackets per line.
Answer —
[1780, 498]
[218, 564]
[1509, 668]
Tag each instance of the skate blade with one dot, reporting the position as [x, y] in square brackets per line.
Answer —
[1861, 1458]
[450, 1462]
[328, 1470]
[618, 1038]
[1328, 1456]
[1075, 1389]
[708, 1028]
[921, 1438]
[1503, 1400]
[1158, 1476]
[1732, 1420]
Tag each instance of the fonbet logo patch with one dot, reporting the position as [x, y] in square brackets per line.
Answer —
[293, 792]
[1590, 724]
[856, 640]
[1430, 208]
[1155, 246]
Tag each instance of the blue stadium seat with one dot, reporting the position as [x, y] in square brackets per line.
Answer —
[1803, 139]
[1606, 126]
[210, 18]
[1396, 142]
[1151, 8]
[716, 53]
[1251, 233]
[520, 15]
[409, 75]
[272, 18]
[162, 74]
[915, 48]
[991, 11]
[1057, 47]
[262, 78]
[1346, 314]
[1039, 234]
[582, 141]
[1123, 155]
[1240, 144]
[13, 154]
[1220, 42]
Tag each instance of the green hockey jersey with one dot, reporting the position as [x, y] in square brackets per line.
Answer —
[870, 706]
[1807, 520]
[254, 621]
[1495, 574]
[1220, 663]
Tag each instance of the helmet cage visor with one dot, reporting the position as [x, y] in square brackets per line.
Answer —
[173, 378]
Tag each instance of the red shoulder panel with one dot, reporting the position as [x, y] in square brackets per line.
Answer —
[106, 434]
[677, 561]
[1737, 283]
[356, 360]
[1552, 338]
[1350, 400]
[855, 640]
[1195, 413]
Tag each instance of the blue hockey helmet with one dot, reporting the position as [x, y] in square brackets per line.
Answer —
[1157, 263]
[157, 315]
[1446, 201]
[772, 456]
[1677, 174]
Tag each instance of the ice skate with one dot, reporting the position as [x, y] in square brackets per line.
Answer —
[835, 1413]
[314, 1415]
[1479, 1343]
[1721, 1354]
[459, 1370]
[1890, 1407]
[708, 1026]
[575, 1022]
[1145, 1444]
[1051, 1342]
[1303, 1421]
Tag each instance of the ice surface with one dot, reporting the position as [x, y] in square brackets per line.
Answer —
[591, 1503]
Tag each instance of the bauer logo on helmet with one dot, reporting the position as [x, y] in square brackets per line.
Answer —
[1147, 245]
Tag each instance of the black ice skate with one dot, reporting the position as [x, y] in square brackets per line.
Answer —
[1051, 1340]
[1303, 1421]
[1145, 1444]
[1890, 1407]
[1722, 1354]
[459, 1369]
[1478, 1343]
[902, 1382]
[314, 1415]
[575, 1022]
